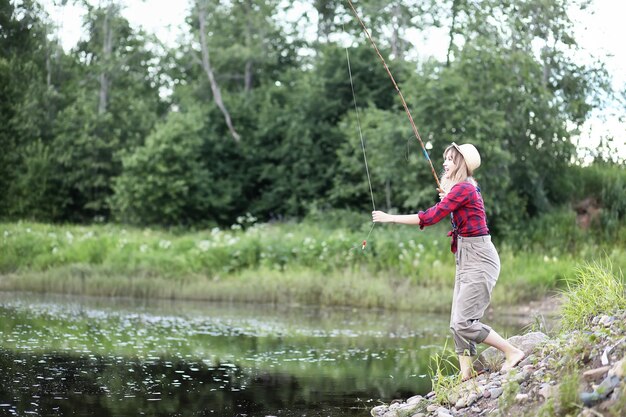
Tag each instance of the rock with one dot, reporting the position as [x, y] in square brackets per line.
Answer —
[619, 368]
[606, 320]
[547, 391]
[517, 377]
[471, 399]
[492, 358]
[461, 403]
[394, 405]
[539, 373]
[432, 408]
[496, 392]
[521, 398]
[391, 413]
[379, 410]
[593, 374]
[407, 410]
[414, 399]
[601, 392]
[487, 394]
[419, 415]
[443, 412]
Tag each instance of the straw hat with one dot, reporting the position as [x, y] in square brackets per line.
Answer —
[470, 154]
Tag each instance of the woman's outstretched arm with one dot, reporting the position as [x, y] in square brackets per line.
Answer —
[382, 217]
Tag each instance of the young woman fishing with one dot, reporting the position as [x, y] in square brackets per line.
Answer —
[477, 261]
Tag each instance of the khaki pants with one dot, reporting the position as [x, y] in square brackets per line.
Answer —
[477, 270]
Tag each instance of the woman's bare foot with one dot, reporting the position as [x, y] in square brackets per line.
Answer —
[512, 360]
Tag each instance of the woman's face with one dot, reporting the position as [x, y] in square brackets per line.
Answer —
[448, 162]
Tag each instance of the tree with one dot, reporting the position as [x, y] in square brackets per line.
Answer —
[165, 181]
[29, 100]
[115, 105]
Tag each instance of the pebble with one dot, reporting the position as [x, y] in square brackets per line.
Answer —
[593, 374]
[414, 399]
[379, 410]
[496, 392]
[443, 412]
[618, 368]
[521, 397]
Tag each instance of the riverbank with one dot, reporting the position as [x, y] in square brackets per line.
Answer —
[286, 263]
[578, 371]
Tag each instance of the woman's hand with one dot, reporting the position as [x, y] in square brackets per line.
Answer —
[381, 217]
[442, 194]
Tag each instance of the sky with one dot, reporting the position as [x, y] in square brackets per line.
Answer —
[600, 31]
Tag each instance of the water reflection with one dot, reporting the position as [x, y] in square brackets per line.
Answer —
[97, 357]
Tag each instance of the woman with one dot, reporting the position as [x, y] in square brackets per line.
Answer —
[477, 261]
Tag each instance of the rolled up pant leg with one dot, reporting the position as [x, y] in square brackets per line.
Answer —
[478, 267]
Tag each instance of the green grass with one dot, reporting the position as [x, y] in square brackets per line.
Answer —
[305, 263]
[596, 289]
[444, 375]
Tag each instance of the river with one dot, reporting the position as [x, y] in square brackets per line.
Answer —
[63, 356]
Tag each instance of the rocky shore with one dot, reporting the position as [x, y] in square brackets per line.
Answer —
[578, 373]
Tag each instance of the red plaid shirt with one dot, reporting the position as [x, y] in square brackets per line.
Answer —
[468, 212]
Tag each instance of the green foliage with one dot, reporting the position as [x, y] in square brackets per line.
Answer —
[71, 119]
[595, 290]
[164, 181]
[36, 189]
[569, 401]
[507, 399]
[311, 262]
[444, 374]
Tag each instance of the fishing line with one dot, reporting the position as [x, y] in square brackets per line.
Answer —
[406, 107]
[358, 121]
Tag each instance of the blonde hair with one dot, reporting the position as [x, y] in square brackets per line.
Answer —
[458, 174]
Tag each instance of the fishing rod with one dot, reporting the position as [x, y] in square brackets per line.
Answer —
[406, 107]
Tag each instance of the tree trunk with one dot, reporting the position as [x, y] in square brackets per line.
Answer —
[206, 65]
[249, 61]
[248, 76]
[455, 11]
[396, 43]
[107, 48]
[388, 194]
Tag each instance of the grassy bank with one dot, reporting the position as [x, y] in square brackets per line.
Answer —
[306, 263]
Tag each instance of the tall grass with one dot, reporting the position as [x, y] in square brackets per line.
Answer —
[595, 290]
[444, 374]
[306, 263]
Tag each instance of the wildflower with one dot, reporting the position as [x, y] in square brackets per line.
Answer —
[204, 245]
[143, 248]
[250, 219]
[69, 236]
[165, 244]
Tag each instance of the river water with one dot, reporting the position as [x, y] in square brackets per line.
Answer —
[62, 356]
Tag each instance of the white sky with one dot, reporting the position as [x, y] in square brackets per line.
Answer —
[600, 32]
